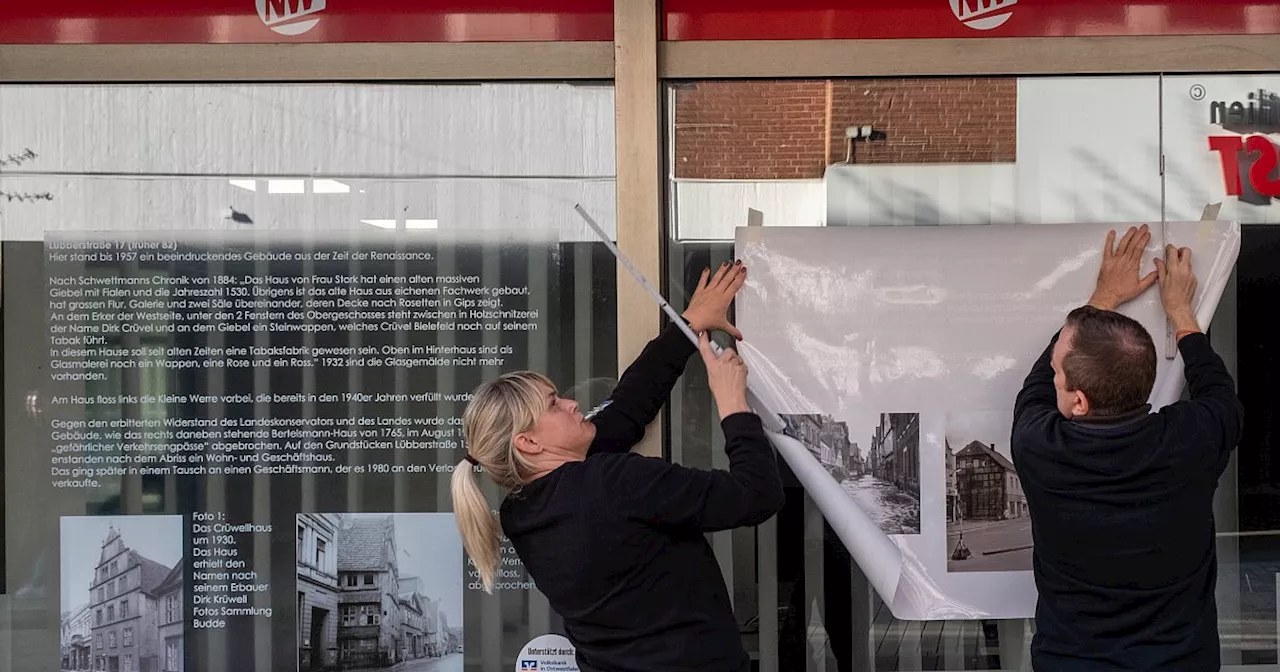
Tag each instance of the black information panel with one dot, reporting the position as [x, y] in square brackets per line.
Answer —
[236, 451]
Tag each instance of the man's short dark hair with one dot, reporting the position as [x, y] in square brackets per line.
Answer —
[1111, 359]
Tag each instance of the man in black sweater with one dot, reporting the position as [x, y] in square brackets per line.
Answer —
[1121, 499]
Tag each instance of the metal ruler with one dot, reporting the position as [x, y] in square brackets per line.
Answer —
[1170, 342]
[635, 273]
[753, 399]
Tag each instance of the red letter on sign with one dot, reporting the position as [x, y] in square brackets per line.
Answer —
[1228, 147]
[1260, 171]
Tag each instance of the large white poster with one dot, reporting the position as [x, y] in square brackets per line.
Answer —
[886, 361]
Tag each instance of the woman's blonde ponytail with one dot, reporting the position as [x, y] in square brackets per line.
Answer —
[476, 523]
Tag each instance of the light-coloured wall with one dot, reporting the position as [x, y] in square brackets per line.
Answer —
[710, 209]
[1088, 149]
[924, 194]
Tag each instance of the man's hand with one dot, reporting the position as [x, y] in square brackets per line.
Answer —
[1178, 288]
[709, 307]
[1118, 280]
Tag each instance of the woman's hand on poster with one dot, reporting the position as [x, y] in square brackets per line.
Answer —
[709, 307]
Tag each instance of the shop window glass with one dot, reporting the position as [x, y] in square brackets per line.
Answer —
[259, 284]
[969, 150]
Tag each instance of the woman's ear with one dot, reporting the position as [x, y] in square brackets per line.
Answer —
[526, 444]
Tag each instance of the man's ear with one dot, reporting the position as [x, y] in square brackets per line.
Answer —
[526, 444]
[1080, 407]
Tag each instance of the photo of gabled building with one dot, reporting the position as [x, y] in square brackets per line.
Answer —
[376, 591]
[128, 573]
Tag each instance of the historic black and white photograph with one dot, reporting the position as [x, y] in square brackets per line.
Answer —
[122, 580]
[378, 590]
[876, 459]
[988, 528]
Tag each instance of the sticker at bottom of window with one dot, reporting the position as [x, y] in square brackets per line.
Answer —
[547, 653]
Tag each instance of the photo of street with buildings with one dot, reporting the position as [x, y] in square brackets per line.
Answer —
[122, 580]
[876, 459]
[988, 528]
[379, 590]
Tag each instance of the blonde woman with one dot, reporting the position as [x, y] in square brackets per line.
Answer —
[613, 539]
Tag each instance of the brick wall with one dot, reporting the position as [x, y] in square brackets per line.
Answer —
[779, 129]
[750, 130]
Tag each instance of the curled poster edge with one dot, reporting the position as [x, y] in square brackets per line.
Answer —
[877, 555]
[874, 552]
[1214, 284]
[891, 568]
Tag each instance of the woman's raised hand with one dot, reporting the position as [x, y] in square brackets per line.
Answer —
[709, 307]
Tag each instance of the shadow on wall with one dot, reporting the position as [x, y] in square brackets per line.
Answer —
[1122, 201]
[993, 193]
[888, 201]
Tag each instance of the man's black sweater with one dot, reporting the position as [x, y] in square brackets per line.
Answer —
[616, 541]
[1122, 522]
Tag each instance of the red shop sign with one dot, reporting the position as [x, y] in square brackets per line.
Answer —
[1249, 150]
[923, 19]
[1261, 167]
[259, 21]
[256, 21]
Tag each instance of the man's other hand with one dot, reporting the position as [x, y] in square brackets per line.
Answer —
[1178, 288]
[1118, 281]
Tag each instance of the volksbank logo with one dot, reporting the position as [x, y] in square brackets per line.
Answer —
[290, 17]
[983, 14]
